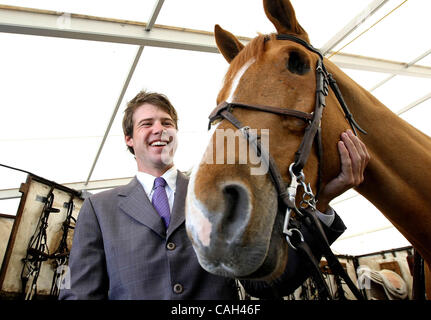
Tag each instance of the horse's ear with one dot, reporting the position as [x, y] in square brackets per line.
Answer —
[227, 43]
[283, 17]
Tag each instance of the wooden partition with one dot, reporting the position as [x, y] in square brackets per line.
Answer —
[6, 224]
[40, 240]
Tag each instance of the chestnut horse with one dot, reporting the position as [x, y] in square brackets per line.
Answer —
[231, 215]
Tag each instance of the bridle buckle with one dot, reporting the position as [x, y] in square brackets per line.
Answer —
[295, 181]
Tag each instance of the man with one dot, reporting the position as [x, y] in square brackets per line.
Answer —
[124, 249]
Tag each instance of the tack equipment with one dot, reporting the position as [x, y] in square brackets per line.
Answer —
[305, 213]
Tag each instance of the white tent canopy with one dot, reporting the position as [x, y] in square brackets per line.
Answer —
[69, 67]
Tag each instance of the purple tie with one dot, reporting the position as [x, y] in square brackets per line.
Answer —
[160, 200]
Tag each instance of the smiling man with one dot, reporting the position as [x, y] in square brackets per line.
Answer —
[130, 242]
[150, 130]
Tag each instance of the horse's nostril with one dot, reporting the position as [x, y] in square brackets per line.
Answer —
[236, 210]
[231, 196]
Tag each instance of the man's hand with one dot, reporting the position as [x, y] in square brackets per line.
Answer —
[354, 158]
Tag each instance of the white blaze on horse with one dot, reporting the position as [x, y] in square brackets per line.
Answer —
[231, 215]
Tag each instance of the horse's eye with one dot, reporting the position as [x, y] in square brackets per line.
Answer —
[298, 63]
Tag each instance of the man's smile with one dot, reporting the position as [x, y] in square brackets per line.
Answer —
[159, 143]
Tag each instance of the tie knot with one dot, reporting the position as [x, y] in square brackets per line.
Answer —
[159, 182]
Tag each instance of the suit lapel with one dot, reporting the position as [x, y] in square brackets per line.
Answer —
[134, 201]
[177, 214]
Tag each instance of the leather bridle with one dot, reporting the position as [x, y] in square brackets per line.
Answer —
[287, 194]
[312, 131]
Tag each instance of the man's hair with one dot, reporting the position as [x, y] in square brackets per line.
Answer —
[157, 99]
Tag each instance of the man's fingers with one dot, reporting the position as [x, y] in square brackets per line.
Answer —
[354, 158]
[344, 154]
[364, 156]
[354, 154]
[346, 165]
[358, 154]
[365, 151]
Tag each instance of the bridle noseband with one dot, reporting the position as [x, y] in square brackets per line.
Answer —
[312, 133]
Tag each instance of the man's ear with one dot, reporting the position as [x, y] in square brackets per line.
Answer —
[129, 141]
[228, 45]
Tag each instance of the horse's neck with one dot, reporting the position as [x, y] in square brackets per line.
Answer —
[398, 176]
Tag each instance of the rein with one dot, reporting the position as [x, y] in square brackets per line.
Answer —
[305, 214]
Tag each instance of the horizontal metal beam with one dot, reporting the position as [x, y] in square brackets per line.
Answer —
[6, 194]
[74, 26]
[98, 184]
[408, 65]
[414, 104]
[350, 61]
[79, 186]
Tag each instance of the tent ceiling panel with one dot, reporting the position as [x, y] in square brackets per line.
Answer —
[61, 160]
[322, 19]
[9, 206]
[367, 79]
[426, 61]
[418, 116]
[370, 241]
[10, 179]
[396, 37]
[247, 18]
[366, 230]
[193, 92]
[191, 79]
[357, 213]
[401, 91]
[115, 161]
[136, 10]
[50, 85]
[241, 17]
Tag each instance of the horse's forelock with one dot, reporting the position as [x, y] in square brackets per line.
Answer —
[254, 49]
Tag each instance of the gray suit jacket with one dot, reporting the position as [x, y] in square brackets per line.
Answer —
[121, 250]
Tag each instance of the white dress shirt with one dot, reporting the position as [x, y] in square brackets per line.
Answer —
[328, 217]
[147, 182]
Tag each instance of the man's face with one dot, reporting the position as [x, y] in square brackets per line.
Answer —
[154, 138]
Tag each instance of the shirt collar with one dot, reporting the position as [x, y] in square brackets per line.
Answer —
[147, 180]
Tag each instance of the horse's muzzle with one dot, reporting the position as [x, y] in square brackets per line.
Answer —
[223, 240]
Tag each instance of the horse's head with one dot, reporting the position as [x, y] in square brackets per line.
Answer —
[232, 207]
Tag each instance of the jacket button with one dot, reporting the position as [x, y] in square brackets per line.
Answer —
[178, 288]
[171, 246]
